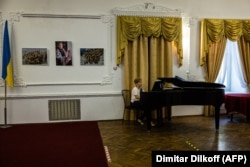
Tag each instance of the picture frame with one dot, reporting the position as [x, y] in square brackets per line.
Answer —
[63, 52]
[92, 56]
[34, 56]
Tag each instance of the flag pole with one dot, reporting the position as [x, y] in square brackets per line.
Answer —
[5, 103]
[5, 107]
[6, 70]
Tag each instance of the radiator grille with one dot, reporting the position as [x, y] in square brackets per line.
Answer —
[64, 109]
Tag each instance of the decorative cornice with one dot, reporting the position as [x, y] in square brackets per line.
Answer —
[18, 82]
[1, 17]
[11, 16]
[107, 80]
[106, 18]
[15, 16]
[147, 9]
[192, 21]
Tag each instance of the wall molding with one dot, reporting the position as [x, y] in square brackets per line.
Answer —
[18, 82]
[106, 19]
[62, 95]
[71, 16]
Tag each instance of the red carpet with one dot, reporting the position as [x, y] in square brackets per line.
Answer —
[71, 144]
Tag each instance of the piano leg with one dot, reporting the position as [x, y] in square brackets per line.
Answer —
[169, 112]
[217, 116]
[148, 112]
[159, 117]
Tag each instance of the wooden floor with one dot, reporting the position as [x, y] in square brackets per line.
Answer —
[130, 144]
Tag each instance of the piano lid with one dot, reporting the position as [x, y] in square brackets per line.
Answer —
[158, 85]
[180, 82]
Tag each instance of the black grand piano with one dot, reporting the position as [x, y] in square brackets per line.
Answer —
[182, 93]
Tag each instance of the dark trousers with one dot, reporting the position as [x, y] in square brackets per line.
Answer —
[137, 105]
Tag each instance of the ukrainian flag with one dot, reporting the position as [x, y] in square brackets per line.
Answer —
[7, 70]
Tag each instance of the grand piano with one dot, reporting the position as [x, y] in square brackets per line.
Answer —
[181, 92]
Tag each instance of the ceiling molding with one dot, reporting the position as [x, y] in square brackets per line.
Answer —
[147, 9]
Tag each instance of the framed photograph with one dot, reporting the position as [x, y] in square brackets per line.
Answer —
[63, 50]
[92, 56]
[34, 56]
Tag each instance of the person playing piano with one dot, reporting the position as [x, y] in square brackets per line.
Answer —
[135, 99]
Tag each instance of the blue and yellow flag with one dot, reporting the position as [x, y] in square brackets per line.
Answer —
[7, 70]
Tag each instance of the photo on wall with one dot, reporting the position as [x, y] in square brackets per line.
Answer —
[63, 50]
[92, 56]
[34, 56]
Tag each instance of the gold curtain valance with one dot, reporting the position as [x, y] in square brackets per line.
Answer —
[131, 27]
[213, 30]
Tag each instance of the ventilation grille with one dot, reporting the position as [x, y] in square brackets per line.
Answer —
[64, 109]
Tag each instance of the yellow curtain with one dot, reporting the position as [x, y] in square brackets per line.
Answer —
[135, 62]
[213, 30]
[215, 56]
[145, 48]
[160, 59]
[212, 67]
[147, 58]
[213, 36]
[130, 28]
[140, 61]
[244, 50]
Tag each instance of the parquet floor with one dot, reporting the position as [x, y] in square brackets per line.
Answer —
[130, 144]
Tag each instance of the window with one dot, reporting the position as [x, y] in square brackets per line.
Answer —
[230, 73]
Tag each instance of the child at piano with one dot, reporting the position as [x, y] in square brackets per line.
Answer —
[135, 99]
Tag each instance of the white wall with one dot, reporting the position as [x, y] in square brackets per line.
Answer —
[98, 87]
[35, 109]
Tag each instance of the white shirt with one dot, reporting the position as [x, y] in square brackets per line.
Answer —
[135, 91]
